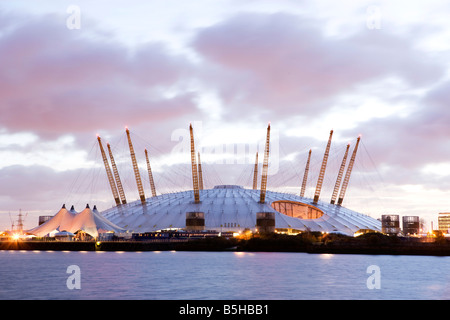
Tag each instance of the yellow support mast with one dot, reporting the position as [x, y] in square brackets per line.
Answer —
[136, 168]
[116, 176]
[348, 173]
[255, 173]
[200, 173]
[322, 169]
[150, 175]
[305, 175]
[108, 172]
[262, 197]
[194, 167]
[339, 177]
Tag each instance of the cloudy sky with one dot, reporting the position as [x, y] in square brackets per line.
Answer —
[70, 70]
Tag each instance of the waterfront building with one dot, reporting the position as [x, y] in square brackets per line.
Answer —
[411, 225]
[390, 224]
[444, 222]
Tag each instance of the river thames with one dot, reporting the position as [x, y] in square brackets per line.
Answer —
[185, 275]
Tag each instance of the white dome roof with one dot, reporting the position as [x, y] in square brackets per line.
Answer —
[233, 208]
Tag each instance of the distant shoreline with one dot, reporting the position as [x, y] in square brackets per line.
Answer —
[277, 244]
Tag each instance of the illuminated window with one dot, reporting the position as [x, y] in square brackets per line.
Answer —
[297, 209]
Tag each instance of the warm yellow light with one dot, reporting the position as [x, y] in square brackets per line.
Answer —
[15, 236]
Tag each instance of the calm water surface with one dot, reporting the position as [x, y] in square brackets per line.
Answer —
[220, 275]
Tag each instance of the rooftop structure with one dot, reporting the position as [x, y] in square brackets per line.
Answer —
[234, 208]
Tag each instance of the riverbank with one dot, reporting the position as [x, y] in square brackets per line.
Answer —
[376, 244]
[207, 244]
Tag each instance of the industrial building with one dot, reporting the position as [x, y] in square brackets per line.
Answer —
[444, 222]
[411, 225]
[233, 208]
[390, 224]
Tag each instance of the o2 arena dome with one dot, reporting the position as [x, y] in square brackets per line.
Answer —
[234, 208]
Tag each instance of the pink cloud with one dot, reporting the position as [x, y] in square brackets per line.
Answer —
[285, 63]
[55, 81]
[404, 145]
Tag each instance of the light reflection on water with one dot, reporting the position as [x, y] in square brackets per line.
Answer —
[220, 275]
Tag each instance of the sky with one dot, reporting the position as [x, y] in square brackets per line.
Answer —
[70, 70]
